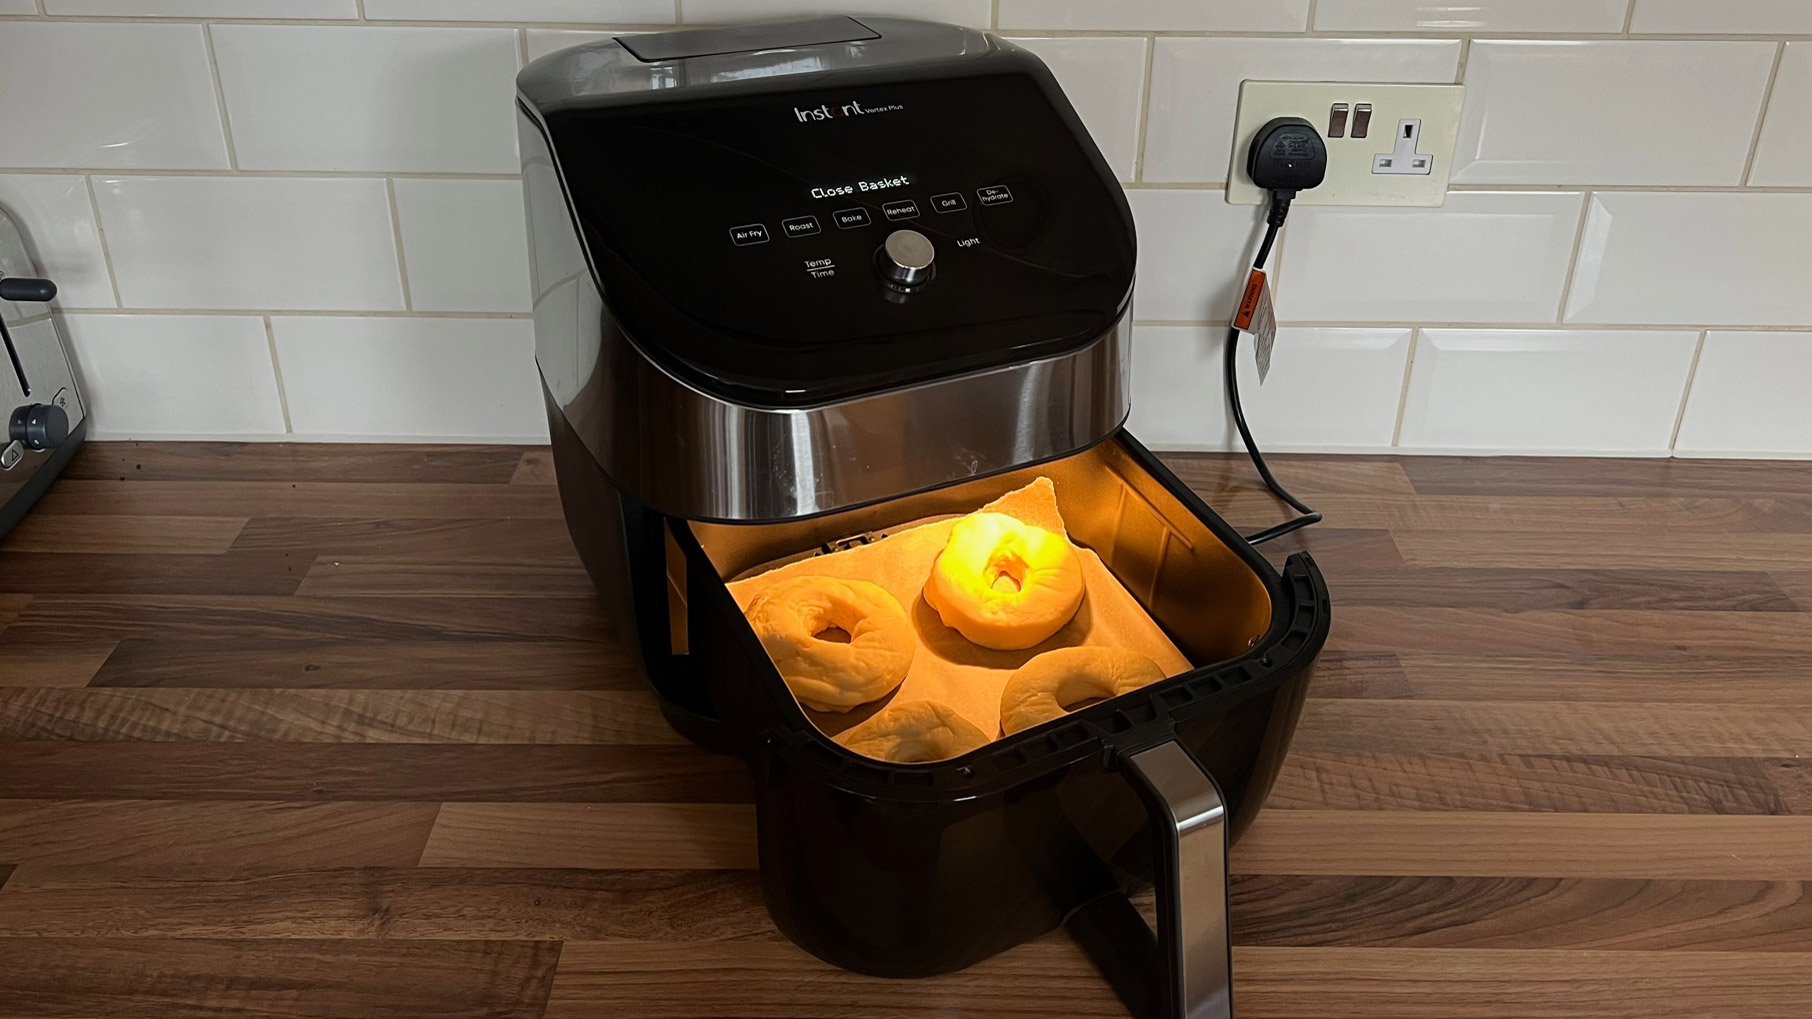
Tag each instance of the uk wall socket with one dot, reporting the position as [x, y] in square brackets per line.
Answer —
[1387, 144]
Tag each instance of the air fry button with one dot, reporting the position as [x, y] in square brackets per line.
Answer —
[749, 233]
[996, 195]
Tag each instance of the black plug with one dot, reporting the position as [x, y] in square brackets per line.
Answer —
[1287, 156]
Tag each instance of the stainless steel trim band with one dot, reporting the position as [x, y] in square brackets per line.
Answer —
[687, 453]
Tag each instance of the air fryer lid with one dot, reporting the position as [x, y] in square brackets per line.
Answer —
[733, 217]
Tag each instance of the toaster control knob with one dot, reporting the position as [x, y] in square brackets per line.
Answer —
[40, 425]
[906, 258]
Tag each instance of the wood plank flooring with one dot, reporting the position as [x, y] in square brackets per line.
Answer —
[311, 731]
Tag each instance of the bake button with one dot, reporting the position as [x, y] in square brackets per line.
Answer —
[849, 219]
[749, 233]
[800, 226]
[996, 195]
[907, 209]
[11, 455]
[952, 202]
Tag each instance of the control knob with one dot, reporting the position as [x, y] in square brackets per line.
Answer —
[906, 258]
[40, 425]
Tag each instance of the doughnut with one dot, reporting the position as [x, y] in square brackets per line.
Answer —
[829, 675]
[914, 732]
[1049, 685]
[1003, 583]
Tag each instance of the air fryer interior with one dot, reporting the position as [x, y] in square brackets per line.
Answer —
[1210, 601]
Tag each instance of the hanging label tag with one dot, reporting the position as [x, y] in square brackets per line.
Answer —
[1256, 316]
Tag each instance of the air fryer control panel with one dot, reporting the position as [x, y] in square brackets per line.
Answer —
[809, 244]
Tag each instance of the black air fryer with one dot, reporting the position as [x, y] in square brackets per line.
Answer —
[801, 284]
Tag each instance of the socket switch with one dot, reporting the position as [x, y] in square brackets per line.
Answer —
[1387, 144]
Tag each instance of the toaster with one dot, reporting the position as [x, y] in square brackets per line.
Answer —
[800, 285]
[38, 394]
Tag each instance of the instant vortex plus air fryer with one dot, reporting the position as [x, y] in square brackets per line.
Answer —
[38, 397]
[802, 284]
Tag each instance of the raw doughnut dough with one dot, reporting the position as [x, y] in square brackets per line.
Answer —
[829, 675]
[914, 732]
[1045, 687]
[1004, 583]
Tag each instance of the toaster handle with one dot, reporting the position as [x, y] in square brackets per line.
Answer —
[1195, 954]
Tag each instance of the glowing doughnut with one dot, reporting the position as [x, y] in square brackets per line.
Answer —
[791, 619]
[1050, 685]
[1003, 583]
[914, 732]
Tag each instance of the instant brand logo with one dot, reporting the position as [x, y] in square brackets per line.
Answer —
[826, 111]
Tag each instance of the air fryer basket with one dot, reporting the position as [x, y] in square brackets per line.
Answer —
[911, 870]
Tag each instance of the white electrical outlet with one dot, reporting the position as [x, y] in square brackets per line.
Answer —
[1387, 144]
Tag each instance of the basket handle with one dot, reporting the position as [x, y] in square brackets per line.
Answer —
[1195, 955]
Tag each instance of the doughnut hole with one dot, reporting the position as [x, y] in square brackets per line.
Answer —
[833, 634]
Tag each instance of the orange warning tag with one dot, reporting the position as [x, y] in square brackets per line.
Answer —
[1248, 301]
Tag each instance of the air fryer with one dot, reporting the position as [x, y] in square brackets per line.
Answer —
[810, 283]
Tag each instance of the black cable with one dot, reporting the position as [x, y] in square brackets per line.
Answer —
[1280, 207]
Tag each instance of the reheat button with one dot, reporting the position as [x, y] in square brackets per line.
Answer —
[908, 209]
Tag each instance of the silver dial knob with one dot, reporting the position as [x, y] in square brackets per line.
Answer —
[906, 258]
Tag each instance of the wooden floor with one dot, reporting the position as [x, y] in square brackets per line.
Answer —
[341, 731]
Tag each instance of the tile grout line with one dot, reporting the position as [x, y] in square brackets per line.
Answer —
[1761, 116]
[1692, 375]
[678, 14]
[270, 339]
[378, 313]
[226, 121]
[1459, 68]
[100, 233]
[1151, 63]
[1566, 287]
[993, 14]
[1629, 16]
[1420, 35]
[396, 232]
[521, 48]
[1409, 366]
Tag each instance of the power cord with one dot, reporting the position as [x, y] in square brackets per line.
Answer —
[1287, 156]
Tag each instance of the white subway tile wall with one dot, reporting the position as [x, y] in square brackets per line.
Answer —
[109, 96]
[1446, 16]
[1485, 256]
[1722, 17]
[319, 201]
[1546, 390]
[1323, 382]
[1722, 258]
[1540, 111]
[427, 378]
[148, 385]
[1783, 154]
[464, 243]
[250, 242]
[1749, 397]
